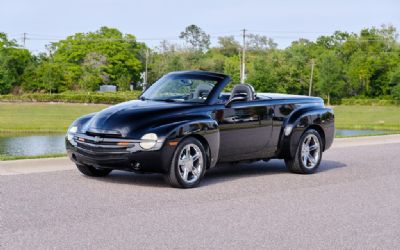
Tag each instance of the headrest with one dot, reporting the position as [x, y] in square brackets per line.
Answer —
[243, 89]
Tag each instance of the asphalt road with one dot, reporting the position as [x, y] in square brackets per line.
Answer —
[351, 203]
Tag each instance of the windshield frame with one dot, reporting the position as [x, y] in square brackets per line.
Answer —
[220, 79]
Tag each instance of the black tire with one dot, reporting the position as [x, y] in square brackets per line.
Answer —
[297, 164]
[92, 171]
[173, 177]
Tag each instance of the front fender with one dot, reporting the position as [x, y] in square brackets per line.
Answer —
[206, 130]
[318, 118]
[82, 121]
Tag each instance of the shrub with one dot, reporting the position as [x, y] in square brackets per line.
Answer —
[74, 97]
[371, 102]
[396, 92]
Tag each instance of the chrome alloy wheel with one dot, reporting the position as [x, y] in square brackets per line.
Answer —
[310, 151]
[190, 163]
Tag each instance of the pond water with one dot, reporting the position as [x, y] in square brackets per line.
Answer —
[355, 132]
[34, 145]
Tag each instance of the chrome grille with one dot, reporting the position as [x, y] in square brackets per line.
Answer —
[96, 145]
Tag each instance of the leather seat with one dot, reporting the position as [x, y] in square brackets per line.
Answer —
[243, 89]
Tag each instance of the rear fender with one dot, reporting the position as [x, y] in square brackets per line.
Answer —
[319, 118]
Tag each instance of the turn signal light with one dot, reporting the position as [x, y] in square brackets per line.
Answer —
[123, 143]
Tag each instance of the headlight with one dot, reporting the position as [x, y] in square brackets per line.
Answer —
[71, 131]
[148, 141]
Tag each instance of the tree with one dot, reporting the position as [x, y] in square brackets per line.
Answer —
[13, 62]
[263, 77]
[196, 37]
[165, 58]
[298, 57]
[51, 77]
[116, 53]
[94, 71]
[260, 43]
[330, 76]
[231, 68]
[347, 64]
[228, 46]
[395, 83]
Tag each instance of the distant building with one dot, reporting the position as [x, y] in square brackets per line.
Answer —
[108, 88]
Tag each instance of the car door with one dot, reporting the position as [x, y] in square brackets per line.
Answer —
[245, 130]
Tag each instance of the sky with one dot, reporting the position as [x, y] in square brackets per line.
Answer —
[46, 21]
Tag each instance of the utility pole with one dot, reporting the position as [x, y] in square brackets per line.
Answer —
[243, 65]
[311, 77]
[24, 38]
[145, 68]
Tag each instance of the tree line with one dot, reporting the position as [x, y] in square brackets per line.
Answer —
[366, 64]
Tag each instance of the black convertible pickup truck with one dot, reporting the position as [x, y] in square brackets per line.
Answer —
[186, 123]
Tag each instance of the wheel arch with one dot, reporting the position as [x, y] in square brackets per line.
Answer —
[320, 131]
[205, 144]
[319, 119]
[204, 130]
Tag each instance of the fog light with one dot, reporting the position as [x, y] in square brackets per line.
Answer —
[148, 141]
[136, 166]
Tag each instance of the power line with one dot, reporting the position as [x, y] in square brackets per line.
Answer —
[44, 37]
[287, 31]
[50, 39]
[177, 38]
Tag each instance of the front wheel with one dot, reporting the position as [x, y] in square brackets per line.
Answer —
[308, 154]
[92, 171]
[188, 164]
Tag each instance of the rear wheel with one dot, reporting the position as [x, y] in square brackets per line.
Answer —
[92, 171]
[308, 154]
[188, 164]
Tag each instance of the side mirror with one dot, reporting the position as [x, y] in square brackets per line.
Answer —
[240, 97]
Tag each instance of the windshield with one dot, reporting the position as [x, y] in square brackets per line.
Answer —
[180, 88]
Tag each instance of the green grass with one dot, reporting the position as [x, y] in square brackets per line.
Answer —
[41, 117]
[56, 117]
[12, 158]
[388, 132]
[36, 118]
[367, 117]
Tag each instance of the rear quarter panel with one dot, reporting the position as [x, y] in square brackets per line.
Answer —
[302, 117]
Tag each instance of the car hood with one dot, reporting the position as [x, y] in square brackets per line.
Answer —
[130, 119]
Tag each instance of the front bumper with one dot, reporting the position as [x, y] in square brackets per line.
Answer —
[109, 153]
